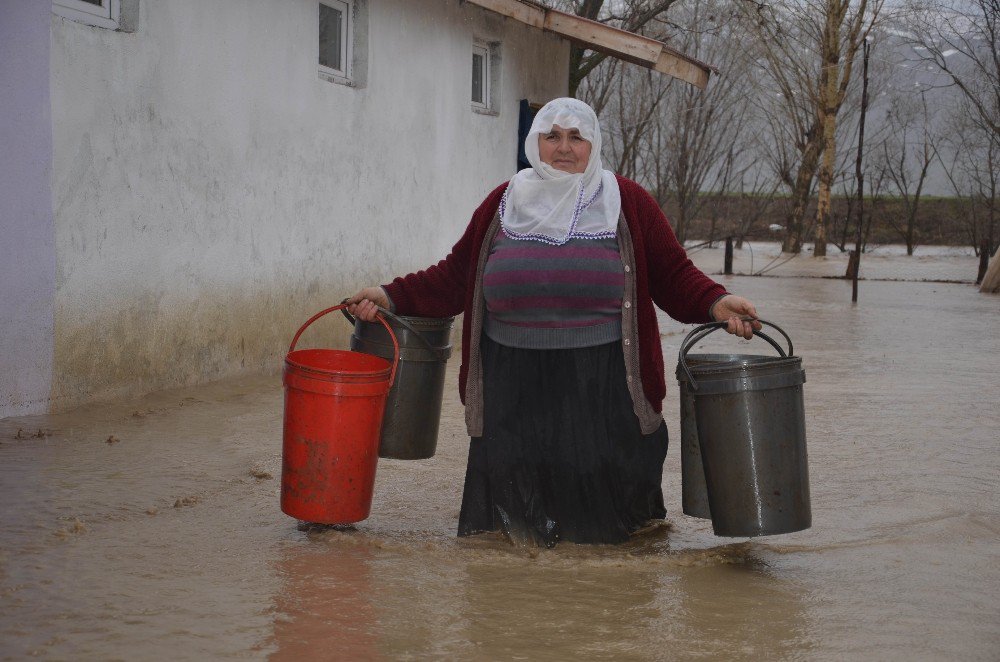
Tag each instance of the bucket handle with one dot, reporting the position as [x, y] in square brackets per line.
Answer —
[705, 329]
[436, 351]
[395, 343]
[700, 332]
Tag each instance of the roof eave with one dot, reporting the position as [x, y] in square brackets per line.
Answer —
[612, 41]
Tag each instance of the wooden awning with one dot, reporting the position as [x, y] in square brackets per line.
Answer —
[596, 36]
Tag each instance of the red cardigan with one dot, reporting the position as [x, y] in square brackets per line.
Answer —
[664, 276]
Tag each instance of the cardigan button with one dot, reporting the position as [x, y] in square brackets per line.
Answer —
[627, 342]
[627, 268]
[628, 304]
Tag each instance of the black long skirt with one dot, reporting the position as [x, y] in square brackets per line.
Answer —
[562, 456]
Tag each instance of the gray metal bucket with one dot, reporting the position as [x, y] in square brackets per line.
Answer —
[413, 407]
[751, 431]
[694, 493]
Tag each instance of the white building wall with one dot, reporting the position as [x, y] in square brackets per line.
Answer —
[27, 236]
[211, 191]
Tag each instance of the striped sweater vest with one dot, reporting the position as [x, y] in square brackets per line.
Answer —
[540, 296]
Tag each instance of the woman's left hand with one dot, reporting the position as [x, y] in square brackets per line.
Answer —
[735, 311]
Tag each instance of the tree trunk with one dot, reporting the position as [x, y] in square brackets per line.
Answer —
[827, 107]
[681, 220]
[825, 176]
[822, 206]
[832, 87]
[847, 222]
[800, 196]
[984, 261]
[853, 262]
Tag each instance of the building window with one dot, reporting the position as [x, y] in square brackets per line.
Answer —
[480, 76]
[335, 39]
[485, 77]
[99, 13]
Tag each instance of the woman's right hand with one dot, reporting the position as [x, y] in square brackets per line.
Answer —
[365, 304]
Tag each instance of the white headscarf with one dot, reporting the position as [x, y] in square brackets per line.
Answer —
[554, 206]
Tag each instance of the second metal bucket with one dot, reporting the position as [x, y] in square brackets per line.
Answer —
[751, 430]
[413, 408]
[694, 492]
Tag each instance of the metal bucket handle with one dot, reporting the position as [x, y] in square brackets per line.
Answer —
[440, 354]
[343, 306]
[700, 332]
[705, 329]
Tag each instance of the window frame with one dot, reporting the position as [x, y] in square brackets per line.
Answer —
[483, 50]
[344, 75]
[106, 15]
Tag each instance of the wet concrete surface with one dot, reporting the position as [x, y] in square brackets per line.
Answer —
[150, 529]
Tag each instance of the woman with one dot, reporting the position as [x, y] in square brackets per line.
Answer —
[562, 372]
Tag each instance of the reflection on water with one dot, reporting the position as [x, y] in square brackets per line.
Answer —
[348, 592]
[168, 543]
[733, 604]
[324, 604]
[565, 610]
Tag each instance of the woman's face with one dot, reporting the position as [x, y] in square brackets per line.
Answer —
[564, 149]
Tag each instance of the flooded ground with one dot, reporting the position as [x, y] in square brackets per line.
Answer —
[150, 529]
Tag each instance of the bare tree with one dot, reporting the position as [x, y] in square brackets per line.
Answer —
[720, 203]
[638, 95]
[875, 177]
[907, 153]
[700, 134]
[755, 198]
[844, 177]
[843, 35]
[959, 38]
[844, 223]
[809, 49]
[780, 147]
[785, 75]
[973, 170]
[671, 136]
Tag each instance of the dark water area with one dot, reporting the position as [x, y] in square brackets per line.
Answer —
[150, 529]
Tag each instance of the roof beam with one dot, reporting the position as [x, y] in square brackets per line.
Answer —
[605, 39]
[532, 15]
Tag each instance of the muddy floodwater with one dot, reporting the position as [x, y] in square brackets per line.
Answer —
[150, 529]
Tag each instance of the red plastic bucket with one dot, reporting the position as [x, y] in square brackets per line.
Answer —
[334, 402]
